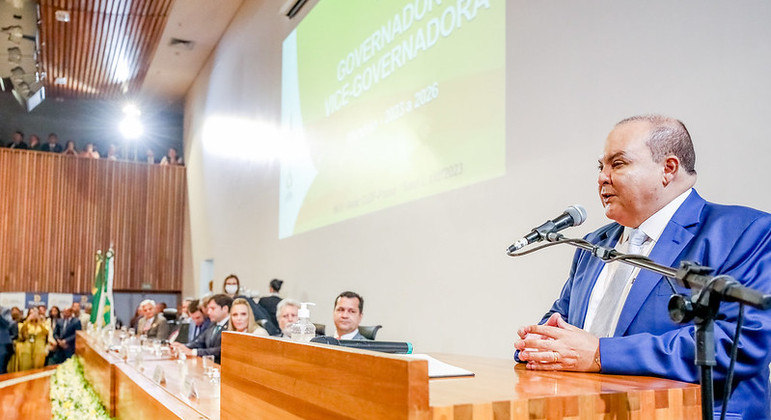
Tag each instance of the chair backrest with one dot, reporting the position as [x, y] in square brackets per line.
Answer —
[170, 314]
[369, 332]
[321, 329]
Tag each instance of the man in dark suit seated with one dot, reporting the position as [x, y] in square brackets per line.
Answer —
[194, 326]
[209, 342]
[64, 334]
[349, 309]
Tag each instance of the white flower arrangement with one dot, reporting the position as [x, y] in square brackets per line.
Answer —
[72, 397]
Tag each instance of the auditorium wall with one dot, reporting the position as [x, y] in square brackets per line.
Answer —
[434, 271]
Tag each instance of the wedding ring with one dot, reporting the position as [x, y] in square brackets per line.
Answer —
[556, 356]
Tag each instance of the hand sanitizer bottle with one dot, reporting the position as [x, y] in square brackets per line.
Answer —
[303, 330]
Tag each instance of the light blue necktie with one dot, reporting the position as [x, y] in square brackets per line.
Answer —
[603, 319]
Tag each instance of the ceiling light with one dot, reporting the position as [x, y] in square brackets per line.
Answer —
[14, 33]
[131, 110]
[17, 75]
[60, 81]
[62, 16]
[131, 127]
[23, 89]
[182, 44]
[14, 55]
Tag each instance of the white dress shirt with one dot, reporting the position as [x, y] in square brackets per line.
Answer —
[349, 336]
[653, 228]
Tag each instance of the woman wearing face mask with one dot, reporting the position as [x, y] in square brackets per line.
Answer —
[242, 319]
[232, 286]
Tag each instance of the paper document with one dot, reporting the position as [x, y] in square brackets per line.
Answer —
[439, 369]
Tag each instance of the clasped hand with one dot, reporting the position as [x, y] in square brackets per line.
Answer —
[557, 345]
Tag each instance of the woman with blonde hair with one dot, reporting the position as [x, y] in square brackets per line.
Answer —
[242, 319]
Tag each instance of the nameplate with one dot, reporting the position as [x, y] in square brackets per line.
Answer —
[159, 376]
[190, 389]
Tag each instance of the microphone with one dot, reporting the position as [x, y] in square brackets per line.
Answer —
[573, 216]
[381, 346]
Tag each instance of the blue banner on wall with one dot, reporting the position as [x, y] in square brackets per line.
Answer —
[29, 300]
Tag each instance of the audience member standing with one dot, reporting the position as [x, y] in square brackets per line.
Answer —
[112, 152]
[30, 347]
[18, 141]
[6, 343]
[70, 149]
[34, 142]
[150, 156]
[270, 302]
[54, 315]
[64, 336]
[171, 158]
[52, 145]
[90, 152]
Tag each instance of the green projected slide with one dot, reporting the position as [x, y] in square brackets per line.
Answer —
[385, 102]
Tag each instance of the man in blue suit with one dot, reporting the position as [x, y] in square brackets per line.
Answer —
[615, 320]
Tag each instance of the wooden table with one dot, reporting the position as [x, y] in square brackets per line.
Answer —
[130, 392]
[277, 378]
[505, 389]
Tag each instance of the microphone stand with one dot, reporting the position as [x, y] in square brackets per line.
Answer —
[703, 306]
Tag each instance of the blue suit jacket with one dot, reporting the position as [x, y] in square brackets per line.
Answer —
[733, 240]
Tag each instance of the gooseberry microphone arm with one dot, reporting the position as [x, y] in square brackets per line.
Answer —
[702, 307]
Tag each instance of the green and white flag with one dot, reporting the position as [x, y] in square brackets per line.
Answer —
[102, 312]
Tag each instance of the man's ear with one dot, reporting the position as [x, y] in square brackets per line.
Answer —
[671, 169]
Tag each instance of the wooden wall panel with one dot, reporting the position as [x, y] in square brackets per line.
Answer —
[56, 211]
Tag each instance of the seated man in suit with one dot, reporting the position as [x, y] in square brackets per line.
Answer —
[286, 311]
[612, 318]
[152, 324]
[209, 342]
[64, 335]
[349, 309]
[194, 326]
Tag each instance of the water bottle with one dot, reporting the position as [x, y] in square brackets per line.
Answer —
[303, 330]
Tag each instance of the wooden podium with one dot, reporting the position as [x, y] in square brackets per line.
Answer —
[276, 378]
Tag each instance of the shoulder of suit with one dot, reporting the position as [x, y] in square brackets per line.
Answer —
[602, 232]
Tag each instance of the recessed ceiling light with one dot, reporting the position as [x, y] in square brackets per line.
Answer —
[60, 81]
[62, 16]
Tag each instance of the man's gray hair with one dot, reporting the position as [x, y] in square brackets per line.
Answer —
[668, 136]
[147, 302]
[286, 302]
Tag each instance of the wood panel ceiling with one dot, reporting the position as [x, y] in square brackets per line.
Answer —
[105, 49]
